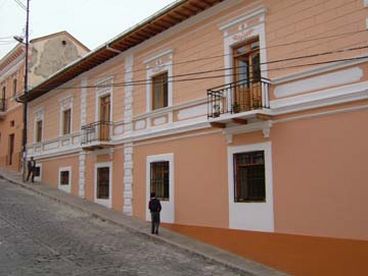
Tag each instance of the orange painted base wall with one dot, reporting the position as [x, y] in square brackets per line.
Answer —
[295, 254]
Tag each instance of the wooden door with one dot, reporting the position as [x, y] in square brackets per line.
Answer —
[246, 64]
[105, 109]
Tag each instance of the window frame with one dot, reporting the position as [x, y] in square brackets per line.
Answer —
[105, 202]
[65, 187]
[15, 84]
[39, 136]
[253, 216]
[63, 126]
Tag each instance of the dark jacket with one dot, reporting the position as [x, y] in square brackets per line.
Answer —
[154, 205]
[31, 164]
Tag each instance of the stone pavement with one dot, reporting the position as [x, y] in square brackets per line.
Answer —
[141, 228]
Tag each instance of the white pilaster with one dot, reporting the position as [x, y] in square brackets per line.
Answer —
[128, 147]
[82, 154]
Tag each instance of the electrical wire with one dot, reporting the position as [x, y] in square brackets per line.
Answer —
[146, 81]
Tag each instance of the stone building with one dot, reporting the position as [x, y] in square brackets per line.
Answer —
[47, 55]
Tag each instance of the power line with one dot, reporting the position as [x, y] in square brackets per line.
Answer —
[234, 67]
[145, 82]
[20, 4]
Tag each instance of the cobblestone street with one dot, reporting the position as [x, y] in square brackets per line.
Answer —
[42, 237]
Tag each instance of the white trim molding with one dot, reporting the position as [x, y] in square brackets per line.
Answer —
[39, 116]
[168, 207]
[65, 188]
[159, 64]
[82, 174]
[65, 104]
[105, 202]
[128, 179]
[253, 216]
[103, 88]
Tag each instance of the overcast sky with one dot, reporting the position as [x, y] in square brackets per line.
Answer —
[93, 22]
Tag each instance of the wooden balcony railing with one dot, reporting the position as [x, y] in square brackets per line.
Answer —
[236, 97]
[96, 132]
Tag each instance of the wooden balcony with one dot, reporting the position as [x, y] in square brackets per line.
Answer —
[238, 102]
[96, 135]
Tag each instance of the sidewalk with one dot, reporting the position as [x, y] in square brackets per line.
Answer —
[143, 228]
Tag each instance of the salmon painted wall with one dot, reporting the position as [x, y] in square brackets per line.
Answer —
[15, 115]
[111, 69]
[199, 171]
[50, 171]
[51, 104]
[320, 177]
[116, 157]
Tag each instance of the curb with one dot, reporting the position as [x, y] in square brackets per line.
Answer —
[259, 270]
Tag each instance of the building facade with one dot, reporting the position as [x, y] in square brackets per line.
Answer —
[245, 117]
[47, 55]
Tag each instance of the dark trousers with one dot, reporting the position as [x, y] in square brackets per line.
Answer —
[31, 172]
[155, 222]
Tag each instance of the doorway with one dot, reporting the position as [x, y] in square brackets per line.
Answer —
[247, 77]
[105, 113]
[11, 149]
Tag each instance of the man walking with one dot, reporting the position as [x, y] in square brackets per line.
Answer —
[154, 206]
[31, 164]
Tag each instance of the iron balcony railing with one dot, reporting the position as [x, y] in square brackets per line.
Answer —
[2, 105]
[96, 132]
[239, 96]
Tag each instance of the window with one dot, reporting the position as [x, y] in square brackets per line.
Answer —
[64, 178]
[37, 171]
[103, 183]
[67, 121]
[14, 87]
[159, 91]
[12, 123]
[39, 131]
[249, 172]
[159, 181]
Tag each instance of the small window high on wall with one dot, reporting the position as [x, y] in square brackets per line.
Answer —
[160, 91]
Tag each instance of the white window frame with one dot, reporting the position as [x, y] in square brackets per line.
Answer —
[101, 92]
[158, 69]
[39, 116]
[168, 207]
[104, 202]
[65, 188]
[39, 178]
[254, 216]
[65, 104]
[242, 36]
